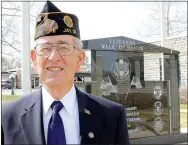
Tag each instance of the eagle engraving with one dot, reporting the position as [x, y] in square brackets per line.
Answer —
[121, 69]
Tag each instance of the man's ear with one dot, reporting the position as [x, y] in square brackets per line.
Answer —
[80, 59]
[33, 57]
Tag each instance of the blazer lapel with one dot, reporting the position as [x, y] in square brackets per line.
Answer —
[32, 120]
[90, 117]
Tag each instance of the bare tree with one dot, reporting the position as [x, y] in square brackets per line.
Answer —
[10, 62]
[175, 20]
[11, 33]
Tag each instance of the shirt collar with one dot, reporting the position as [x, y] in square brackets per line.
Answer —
[68, 100]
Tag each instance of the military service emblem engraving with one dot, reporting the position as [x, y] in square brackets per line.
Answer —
[158, 124]
[68, 21]
[157, 92]
[121, 68]
[158, 108]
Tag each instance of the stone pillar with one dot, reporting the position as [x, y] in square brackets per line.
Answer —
[137, 68]
[99, 74]
[174, 93]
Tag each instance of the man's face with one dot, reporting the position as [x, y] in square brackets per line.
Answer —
[55, 70]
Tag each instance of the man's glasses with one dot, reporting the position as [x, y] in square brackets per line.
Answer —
[63, 49]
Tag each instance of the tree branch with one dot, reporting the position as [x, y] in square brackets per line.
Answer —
[16, 9]
[176, 21]
[175, 16]
[171, 27]
[177, 32]
[10, 45]
[12, 15]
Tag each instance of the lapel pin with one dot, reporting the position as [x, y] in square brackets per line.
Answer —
[87, 111]
[91, 135]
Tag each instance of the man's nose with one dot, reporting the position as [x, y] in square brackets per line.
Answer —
[54, 56]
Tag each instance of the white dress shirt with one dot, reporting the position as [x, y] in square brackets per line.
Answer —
[69, 115]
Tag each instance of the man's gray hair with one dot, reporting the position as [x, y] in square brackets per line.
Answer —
[78, 42]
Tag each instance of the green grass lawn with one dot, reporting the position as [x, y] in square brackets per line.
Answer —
[183, 119]
[183, 115]
[183, 109]
[7, 98]
[183, 106]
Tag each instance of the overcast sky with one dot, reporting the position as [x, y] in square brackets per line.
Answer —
[106, 19]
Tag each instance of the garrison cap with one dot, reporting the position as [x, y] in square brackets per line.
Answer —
[51, 21]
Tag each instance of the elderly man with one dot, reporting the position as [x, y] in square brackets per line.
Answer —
[59, 113]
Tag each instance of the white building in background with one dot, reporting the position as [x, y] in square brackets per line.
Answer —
[179, 44]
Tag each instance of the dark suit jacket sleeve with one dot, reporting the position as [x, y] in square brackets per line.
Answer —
[122, 136]
[2, 136]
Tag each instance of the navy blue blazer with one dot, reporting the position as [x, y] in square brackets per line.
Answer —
[22, 121]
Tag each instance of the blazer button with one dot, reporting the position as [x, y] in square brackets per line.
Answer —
[91, 135]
